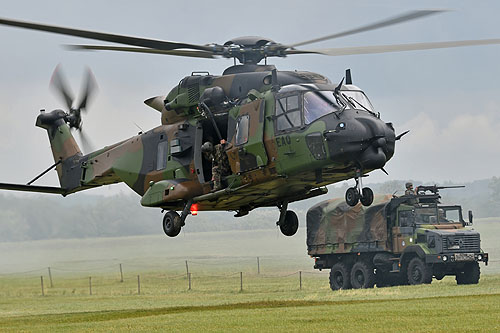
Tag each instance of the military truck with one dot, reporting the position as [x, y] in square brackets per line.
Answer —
[398, 240]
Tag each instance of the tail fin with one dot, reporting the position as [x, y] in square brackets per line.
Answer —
[64, 147]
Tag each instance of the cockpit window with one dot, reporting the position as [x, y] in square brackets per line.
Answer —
[358, 100]
[288, 113]
[319, 103]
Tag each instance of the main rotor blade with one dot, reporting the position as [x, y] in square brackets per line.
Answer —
[182, 53]
[395, 48]
[120, 39]
[377, 25]
[60, 85]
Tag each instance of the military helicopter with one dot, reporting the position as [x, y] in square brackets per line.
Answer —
[284, 135]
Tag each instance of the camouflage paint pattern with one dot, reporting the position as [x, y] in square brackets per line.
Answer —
[163, 165]
[337, 232]
[335, 227]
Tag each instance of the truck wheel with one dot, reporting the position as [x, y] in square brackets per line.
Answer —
[340, 277]
[419, 272]
[171, 223]
[470, 274]
[352, 196]
[362, 275]
[291, 223]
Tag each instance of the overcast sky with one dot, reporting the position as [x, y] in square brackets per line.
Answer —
[449, 99]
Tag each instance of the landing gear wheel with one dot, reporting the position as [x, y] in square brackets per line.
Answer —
[340, 277]
[290, 224]
[470, 274]
[362, 275]
[172, 223]
[352, 196]
[367, 196]
[419, 272]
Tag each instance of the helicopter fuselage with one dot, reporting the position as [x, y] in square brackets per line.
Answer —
[284, 143]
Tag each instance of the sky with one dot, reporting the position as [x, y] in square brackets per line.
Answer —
[447, 98]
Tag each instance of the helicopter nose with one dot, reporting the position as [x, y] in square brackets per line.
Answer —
[366, 140]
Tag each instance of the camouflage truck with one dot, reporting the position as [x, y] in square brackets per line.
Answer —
[398, 240]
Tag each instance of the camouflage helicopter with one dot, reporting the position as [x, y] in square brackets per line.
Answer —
[251, 137]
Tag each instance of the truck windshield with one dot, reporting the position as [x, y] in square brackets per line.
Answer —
[438, 215]
[358, 99]
[319, 103]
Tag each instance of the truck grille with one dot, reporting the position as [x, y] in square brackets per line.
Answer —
[462, 243]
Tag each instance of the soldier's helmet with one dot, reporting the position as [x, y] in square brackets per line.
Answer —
[409, 185]
[207, 147]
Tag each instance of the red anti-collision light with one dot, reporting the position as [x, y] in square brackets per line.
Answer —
[194, 209]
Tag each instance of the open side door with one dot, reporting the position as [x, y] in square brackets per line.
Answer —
[198, 157]
[247, 150]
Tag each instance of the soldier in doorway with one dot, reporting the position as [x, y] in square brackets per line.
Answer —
[220, 162]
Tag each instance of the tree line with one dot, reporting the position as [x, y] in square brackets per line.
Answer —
[38, 216]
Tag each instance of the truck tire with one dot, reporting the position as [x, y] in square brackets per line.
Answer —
[362, 275]
[340, 277]
[419, 272]
[470, 274]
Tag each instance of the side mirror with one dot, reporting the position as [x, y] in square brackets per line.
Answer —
[470, 217]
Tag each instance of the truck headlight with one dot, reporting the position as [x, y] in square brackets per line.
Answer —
[445, 258]
[479, 257]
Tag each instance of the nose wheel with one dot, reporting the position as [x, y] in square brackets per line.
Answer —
[358, 193]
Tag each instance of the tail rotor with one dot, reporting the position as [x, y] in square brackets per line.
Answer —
[73, 115]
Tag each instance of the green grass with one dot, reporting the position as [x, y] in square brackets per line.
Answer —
[424, 314]
[271, 301]
[267, 303]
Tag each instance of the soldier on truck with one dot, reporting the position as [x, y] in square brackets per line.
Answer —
[398, 240]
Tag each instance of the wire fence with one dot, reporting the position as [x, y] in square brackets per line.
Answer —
[131, 277]
[126, 278]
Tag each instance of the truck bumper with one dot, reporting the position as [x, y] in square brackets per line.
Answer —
[446, 258]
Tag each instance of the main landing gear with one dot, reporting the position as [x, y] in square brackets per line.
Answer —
[359, 193]
[173, 222]
[288, 222]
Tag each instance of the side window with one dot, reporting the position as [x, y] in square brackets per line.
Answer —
[242, 127]
[161, 158]
[406, 218]
[288, 113]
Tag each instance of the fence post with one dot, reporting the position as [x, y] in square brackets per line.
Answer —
[90, 285]
[187, 269]
[138, 284]
[241, 281]
[300, 280]
[41, 280]
[189, 278]
[50, 278]
[121, 273]
[258, 265]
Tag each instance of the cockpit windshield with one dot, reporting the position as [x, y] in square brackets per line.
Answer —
[318, 104]
[358, 99]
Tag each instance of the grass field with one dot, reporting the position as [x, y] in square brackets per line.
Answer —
[270, 301]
